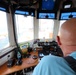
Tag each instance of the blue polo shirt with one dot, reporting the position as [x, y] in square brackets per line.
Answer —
[54, 65]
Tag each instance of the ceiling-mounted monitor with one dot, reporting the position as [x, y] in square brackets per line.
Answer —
[3, 9]
[27, 12]
[49, 5]
[21, 12]
[67, 14]
[46, 15]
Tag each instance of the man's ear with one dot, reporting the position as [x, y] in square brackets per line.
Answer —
[58, 40]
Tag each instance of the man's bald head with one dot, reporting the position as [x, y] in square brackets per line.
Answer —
[68, 32]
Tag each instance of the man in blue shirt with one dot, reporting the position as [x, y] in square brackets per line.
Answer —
[54, 65]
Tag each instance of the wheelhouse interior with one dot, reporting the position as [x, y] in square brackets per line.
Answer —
[31, 24]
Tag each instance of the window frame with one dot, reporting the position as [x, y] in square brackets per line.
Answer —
[52, 30]
[4, 10]
[17, 32]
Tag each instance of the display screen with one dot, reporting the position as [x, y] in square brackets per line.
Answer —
[26, 13]
[44, 15]
[1, 8]
[47, 4]
[21, 12]
[66, 15]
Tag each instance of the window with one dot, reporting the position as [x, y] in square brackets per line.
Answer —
[61, 22]
[24, 26]
[46, 28]
[4, 40]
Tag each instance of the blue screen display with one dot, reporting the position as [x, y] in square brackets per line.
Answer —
[1, 8]
[67, 14]
[47, 15]
[27, 13]
[21, 12]
[48, 4]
